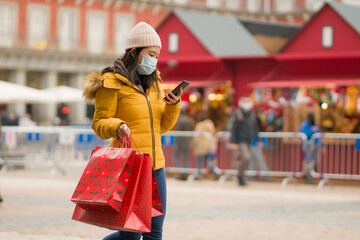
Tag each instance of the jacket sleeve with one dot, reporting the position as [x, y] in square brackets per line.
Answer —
[104, 122]
[170, 116]
[170, 113]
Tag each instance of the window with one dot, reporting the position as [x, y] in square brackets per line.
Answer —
[284, 6]
[173, 42]
[233, 4]
[253, 6]
[314, 5]
[8, 23]
[123, 24]
[64, 79]
[38, 26]
[213, 3]
[96, 31]
[33, 79]
[327, 36]
[4, 75]
[68, 27]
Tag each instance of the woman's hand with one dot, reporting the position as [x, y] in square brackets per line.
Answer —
[170, 98]
[123, 131]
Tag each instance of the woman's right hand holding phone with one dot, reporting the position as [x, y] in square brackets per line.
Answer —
[170, 98]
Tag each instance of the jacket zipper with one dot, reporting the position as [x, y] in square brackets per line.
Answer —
[151, 119]
[152, 129]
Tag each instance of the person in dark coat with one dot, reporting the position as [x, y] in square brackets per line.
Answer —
[244, 129]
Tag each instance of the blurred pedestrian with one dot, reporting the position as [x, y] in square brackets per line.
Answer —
[309, 127]
[129, 98]
[9, 119]
[244, 129]
[257, 157]
[182, 145]
[205, 146]
[25, 120]
[13, 119]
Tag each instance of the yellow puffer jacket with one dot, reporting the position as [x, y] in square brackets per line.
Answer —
[118, 101]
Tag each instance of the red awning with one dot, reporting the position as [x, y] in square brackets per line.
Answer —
[188, 59]
[192, 68]
[305, 83]
[319, 55]
[194, 83]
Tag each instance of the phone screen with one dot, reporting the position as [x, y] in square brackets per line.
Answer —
[182, 85]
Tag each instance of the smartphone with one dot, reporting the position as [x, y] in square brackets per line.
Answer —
[182, 85]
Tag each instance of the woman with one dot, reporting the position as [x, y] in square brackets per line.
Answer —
[205, 147]
[129, 100]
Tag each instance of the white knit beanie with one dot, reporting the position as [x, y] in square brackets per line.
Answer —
[142, 35]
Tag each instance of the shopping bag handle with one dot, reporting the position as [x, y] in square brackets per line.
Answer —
[126, 142]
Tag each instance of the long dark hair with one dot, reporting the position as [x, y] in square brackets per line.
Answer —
[130, 63]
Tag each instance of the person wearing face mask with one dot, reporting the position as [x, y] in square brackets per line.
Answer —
[244, 129]
[129, 100]
[309, 127]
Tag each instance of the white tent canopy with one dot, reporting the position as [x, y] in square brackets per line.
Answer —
[63, 94]
[15, 93]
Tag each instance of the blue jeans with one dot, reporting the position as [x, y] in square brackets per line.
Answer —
[209, 161]
[257, 158]
[156, 222]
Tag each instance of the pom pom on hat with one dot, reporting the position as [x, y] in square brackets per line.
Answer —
[142, 35]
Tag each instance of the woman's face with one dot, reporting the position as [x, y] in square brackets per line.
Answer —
[153, 52]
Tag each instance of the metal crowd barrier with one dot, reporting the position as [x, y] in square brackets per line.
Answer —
[282, 154]
[285, 154]
[49, 146]
[335, 156]
[180, 158]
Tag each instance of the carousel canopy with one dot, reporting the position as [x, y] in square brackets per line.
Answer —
[63, 94]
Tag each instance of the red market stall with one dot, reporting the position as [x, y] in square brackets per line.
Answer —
[317, 71]
[194, 45]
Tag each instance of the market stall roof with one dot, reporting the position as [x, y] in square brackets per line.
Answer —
[267, 28]
[201, 42]
[342, 17]
[16, 93]
[306, 83]
[350, 13]
[221, 35]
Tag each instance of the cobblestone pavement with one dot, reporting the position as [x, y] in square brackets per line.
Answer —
[37, 206]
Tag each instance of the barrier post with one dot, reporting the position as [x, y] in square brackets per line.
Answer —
[338, 157]
[282, 153]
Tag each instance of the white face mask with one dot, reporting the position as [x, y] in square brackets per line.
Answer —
[147, 65]
[247, 106]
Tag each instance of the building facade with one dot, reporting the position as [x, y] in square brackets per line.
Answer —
[47, 43]
[294, 11]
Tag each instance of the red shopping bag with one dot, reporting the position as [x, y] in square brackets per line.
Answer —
[157, 209]
[136, 209]
[104, 181]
